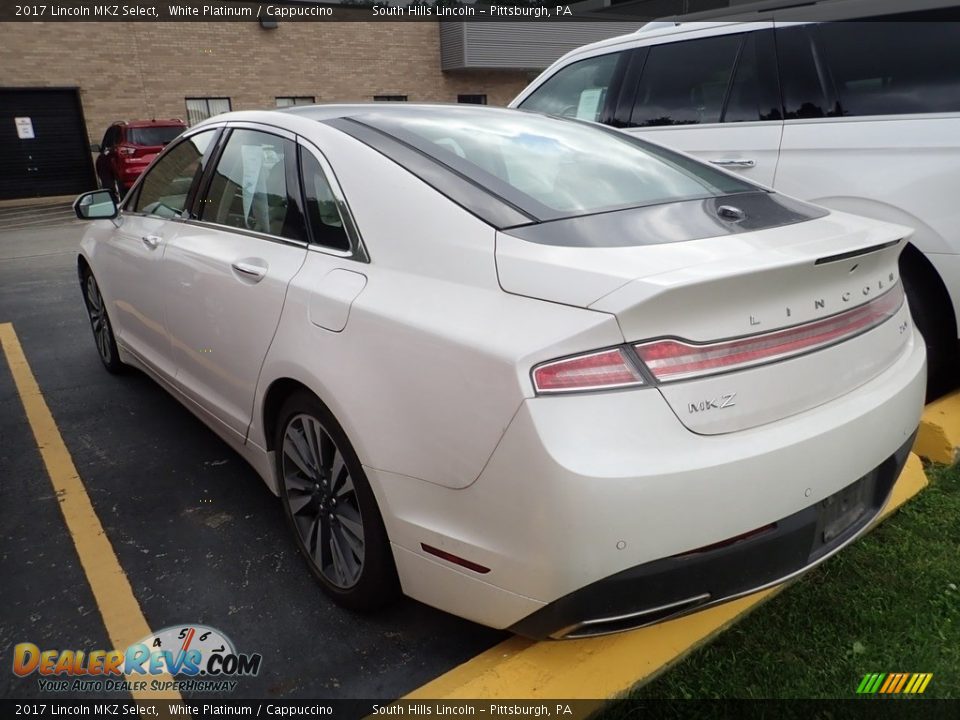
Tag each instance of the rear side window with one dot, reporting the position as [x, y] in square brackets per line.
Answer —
[579, 90]
[251, 187]
[326, 224]
[891, 68]
[803, 76]
[754, 93]
[685, 83]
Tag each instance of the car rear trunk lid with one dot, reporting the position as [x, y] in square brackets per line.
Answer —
[739, 285]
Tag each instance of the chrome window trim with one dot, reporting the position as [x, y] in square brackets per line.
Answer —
[261, 127]
[358, 250]
[874, 118]
[241, 231]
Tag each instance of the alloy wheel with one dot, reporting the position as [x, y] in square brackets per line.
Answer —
[99, 321]
[323, 501]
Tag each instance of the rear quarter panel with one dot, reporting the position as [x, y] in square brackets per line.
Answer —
[434, 359]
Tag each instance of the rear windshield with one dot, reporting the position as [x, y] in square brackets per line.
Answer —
[158, 135]
[553, 168]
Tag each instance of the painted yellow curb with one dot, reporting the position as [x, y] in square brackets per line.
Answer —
[939, 436]
[600, 668]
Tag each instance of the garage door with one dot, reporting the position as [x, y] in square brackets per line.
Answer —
[43, 144]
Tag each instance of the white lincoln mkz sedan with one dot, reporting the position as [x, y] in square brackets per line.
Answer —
[532, 371]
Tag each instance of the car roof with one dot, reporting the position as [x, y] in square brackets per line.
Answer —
[326, 112]
[389, 128]
[649, 30]
[751, 11]
[170, 122]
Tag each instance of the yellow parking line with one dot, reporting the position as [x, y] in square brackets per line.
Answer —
[600, 668]
[119, 608]
[939, 436]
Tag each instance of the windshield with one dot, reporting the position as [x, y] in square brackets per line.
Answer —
[155, 135]
[554, 168]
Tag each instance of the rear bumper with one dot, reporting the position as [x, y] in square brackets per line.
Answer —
[675, 586]
[600, 489]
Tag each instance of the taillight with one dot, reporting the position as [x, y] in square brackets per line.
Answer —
[602, 370]
[126, 150]
[668, 360]
[679, 360]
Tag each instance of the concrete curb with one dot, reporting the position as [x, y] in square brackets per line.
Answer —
[939, 436]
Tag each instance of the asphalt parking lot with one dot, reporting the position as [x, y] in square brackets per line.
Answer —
[202, 541]
[197, 533]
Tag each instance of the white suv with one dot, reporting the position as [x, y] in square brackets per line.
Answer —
[862, 117]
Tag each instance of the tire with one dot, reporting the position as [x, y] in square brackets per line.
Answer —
[330, 507]
[930, 309]
[113, 184]
[100, 323]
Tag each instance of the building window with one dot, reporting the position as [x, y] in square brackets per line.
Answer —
[199, 109]
[283, 102]
[390, 98]
[472, 99]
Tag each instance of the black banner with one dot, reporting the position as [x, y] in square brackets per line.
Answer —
[294, 11]
[269, 13]
[865, 708]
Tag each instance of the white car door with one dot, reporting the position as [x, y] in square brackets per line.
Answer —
[227, 272]
[129, 262]
[714, 96]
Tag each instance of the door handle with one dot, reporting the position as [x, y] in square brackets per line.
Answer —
[250, 270]
[151, 241]
[731, 162]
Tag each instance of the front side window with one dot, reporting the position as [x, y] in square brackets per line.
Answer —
[893, 68]
[199, 109]
[167, 184]
[578, 91]
[251, 187]
[684, 83]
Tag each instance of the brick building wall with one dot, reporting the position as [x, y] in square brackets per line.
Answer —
[146, 70]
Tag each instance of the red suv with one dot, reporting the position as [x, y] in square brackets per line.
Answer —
[128, 147]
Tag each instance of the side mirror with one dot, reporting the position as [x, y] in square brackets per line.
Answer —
[96, 205]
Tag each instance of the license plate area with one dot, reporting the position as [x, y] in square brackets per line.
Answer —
[841, 511]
